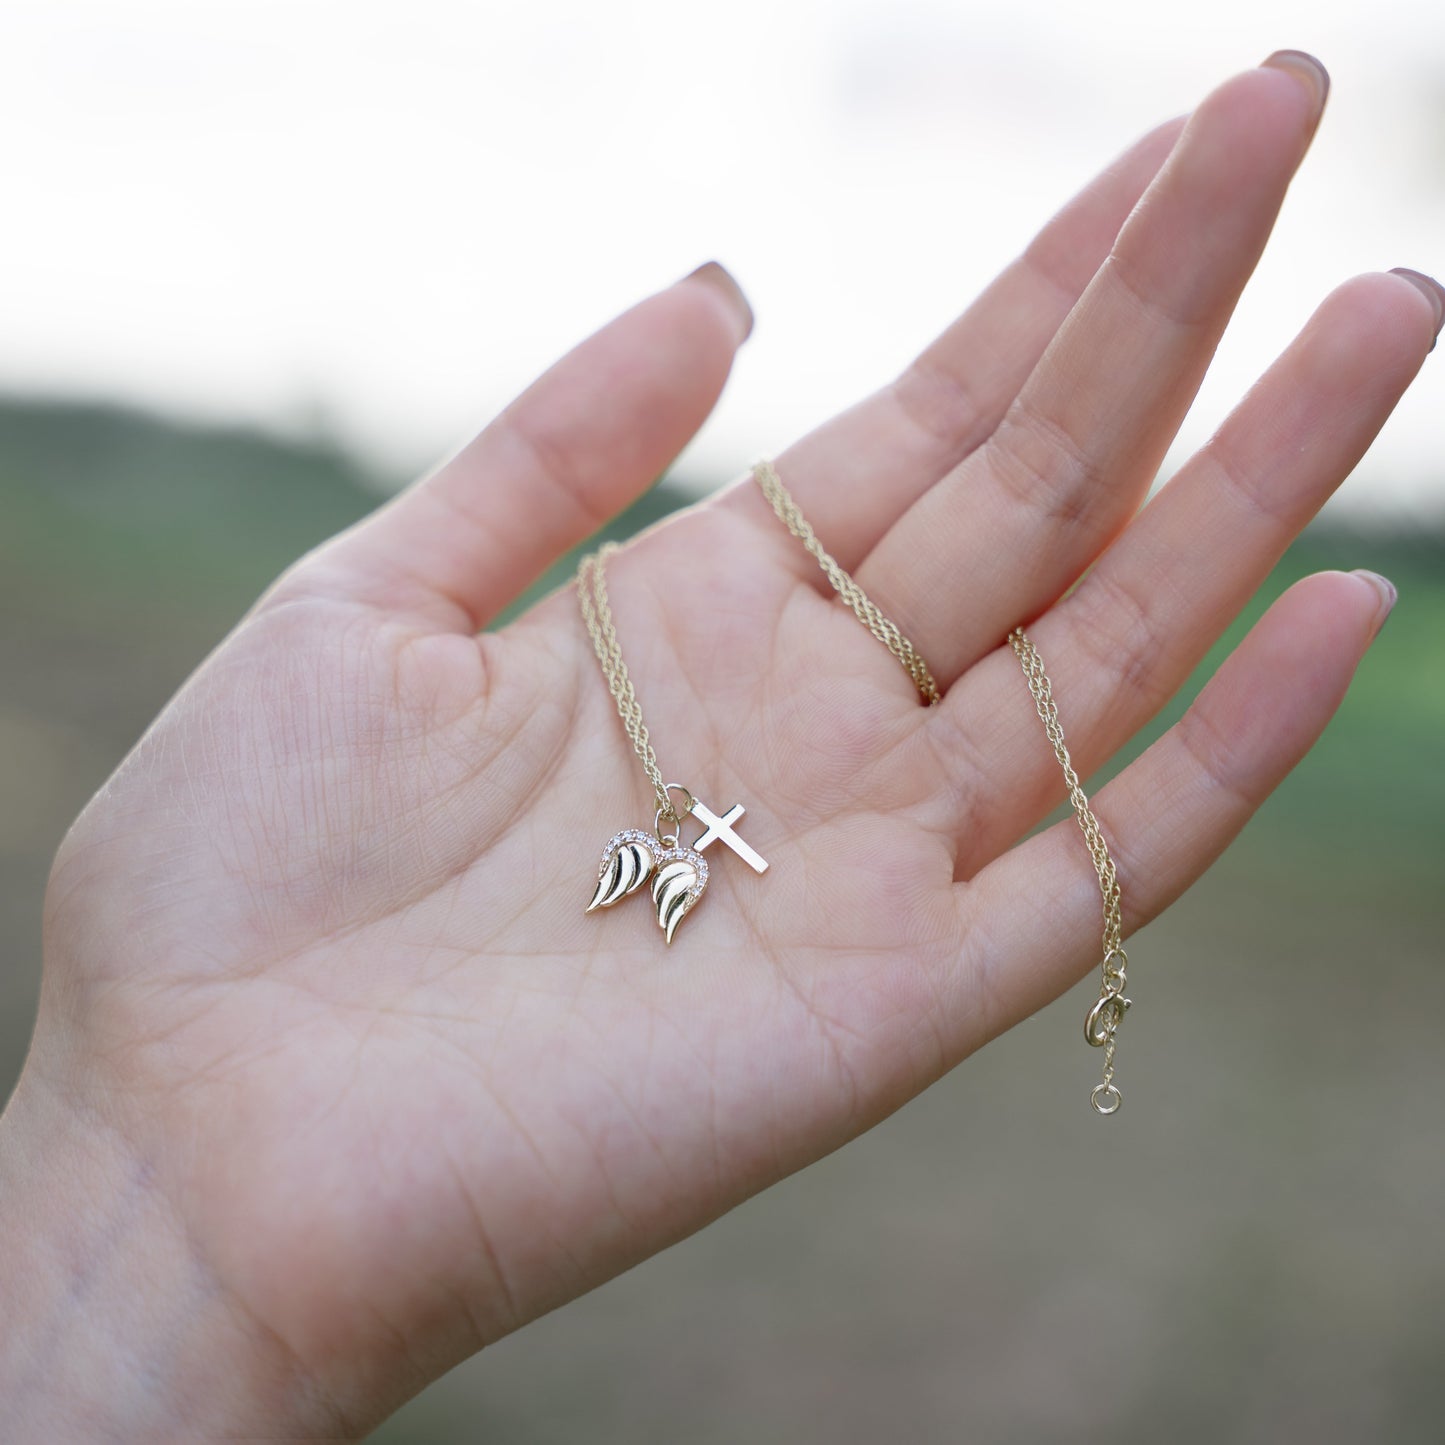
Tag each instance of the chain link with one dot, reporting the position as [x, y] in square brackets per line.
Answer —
[864, 608]
[1104, 1017]
[597, 614]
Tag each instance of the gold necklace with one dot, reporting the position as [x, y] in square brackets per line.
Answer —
[679, 872]
[1103, 1019]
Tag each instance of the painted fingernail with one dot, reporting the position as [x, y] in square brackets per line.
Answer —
[716, 275]
[1433, 292]
[1385, 588]
[1304, 65]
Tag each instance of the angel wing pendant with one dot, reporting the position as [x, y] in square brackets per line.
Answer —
[627, 863]
[631, 857]
[681, 878]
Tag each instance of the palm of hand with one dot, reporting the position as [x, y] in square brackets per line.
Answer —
[323, 937]
[393, 998]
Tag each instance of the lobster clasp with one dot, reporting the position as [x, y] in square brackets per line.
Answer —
[1105, 1016]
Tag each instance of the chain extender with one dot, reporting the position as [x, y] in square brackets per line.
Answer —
[1103, 1019]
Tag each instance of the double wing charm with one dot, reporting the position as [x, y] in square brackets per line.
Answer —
[678, 875]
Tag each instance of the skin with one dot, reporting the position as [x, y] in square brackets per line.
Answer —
[333, 1082]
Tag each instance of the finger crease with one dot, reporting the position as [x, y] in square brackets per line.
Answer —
[1214, 754]
[1244, 488]
[549, 457]
[938, 403]
[1061, 484]
[1114, 627]
[1116, 269]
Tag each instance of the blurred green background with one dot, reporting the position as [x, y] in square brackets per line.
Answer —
[1252, 1251]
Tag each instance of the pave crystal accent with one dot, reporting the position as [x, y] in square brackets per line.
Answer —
[628, 861]
[679, 875]
[661, 854]
[686, 855]
[628, 835]
[678, 883]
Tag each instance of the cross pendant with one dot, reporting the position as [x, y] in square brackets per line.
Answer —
[721, 829]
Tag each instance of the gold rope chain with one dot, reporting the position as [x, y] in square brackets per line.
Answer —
[1103, 1019]
[1102, 1022]
[597, 614]
[864, 608]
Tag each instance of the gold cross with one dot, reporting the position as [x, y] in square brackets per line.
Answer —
[721, 828]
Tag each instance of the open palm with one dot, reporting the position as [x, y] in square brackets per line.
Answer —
[318, 953]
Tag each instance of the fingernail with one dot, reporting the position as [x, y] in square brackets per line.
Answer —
[1385, 588]
[1433, 291]
[1299, 63]
[720, 278]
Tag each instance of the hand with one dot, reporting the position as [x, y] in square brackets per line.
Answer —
[334, 1082]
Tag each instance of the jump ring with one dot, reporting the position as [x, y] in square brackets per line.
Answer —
[671, 788]
[669, 812]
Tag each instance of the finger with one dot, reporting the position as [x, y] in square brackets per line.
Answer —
[571, 452]
[1077, 450]
[858, 472]
[1126, 639]
[1033, 917]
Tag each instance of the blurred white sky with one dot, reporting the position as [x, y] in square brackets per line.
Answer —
[389, 217]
